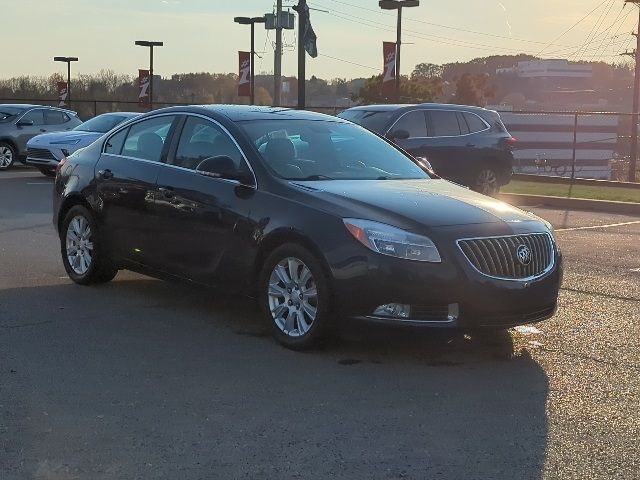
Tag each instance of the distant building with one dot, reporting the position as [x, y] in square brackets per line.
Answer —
[548, 69]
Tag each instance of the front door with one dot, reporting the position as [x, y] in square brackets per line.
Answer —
[27, 132]
[126, 177]
[200, 216]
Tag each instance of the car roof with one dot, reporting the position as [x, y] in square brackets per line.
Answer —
[129, 114]
[28, 106]
[421, 106]
[237, 113]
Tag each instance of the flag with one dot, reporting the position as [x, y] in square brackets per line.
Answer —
[244, 82]
[389, 74]
[63, 93]
[308, 37]
[144, 99]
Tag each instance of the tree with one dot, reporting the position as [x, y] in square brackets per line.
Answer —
[427, 70]
[411, 91]
[473, 90]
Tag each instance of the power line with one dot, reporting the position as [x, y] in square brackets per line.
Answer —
[449, 27]
[571, 27]
[596, 26]
[350, 62]
[610, 44]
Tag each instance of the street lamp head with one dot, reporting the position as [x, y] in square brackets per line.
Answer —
[147, 43]
[65, 59]
[396, 4]
[249, 20]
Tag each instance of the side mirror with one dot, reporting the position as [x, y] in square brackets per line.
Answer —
[426, 164]
[25, 123]
[223, 167]
[398, 135]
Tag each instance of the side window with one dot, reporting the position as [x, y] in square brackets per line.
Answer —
[55, 117]
[475, 123]
[202, 139]
[115, 143]
[35, 115]
[413, 122]
[462, 123]
[444, 123]
[146, 139]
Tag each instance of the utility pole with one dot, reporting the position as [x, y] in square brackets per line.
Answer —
[277, 66]
[399, 5]
[633, 161]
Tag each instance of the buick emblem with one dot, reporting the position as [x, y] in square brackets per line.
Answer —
[524, 255]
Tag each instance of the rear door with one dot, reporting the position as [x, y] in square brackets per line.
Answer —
[447, 137]
[126, 177]
[199, 216]
[57, 121]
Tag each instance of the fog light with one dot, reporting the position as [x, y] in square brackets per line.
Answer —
[395, 310]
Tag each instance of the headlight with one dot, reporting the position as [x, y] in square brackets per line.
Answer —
[392, 241]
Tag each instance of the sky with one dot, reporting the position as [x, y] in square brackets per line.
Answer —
[200, 35]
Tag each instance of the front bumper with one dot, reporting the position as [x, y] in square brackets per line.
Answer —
[431, 289]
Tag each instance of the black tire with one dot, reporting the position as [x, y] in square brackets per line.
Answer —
[48, 172]
[486, 180]
[8, 156]
[101, 268]
[321, 327]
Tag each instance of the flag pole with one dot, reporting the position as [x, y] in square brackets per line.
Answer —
[302, 54]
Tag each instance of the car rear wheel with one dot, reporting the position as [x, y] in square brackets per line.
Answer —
[295, 295]
[83, 254]
[486, 181]
[7, 156]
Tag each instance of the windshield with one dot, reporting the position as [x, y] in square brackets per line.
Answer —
[327, 150]
[8, 114]
[101, 123]
[377, 121]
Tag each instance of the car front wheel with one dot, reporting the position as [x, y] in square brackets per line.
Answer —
[7, 156]
[295, 295]
[83, 254]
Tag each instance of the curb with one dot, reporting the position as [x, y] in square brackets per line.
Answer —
[520, 200]
[525, 177]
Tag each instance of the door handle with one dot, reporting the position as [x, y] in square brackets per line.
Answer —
[167, 192]
[105, 174]
[42, 130]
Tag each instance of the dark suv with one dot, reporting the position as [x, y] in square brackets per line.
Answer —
[20, 123]
[468, 145]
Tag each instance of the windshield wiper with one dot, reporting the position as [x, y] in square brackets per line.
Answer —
[314, 177]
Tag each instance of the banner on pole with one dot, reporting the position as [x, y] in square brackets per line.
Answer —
[63, 93]
[389, 74]
[244, 80]
[144, 99]
[309, 38]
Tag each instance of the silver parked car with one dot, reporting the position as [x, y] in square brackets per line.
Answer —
[45, 151]
[20, 123]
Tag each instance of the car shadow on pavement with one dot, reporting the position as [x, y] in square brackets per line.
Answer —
[145, 378]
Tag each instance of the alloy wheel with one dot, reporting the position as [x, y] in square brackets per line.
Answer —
[487, 181]
[79, 245]
[293, 297]
[6, 157]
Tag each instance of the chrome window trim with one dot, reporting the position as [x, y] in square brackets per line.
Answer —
[527, 279]
[441, 110]
[29, 111]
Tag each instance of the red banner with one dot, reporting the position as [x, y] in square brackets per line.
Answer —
[63, 93]
[144, 99]
[389, 75]
[244, 81]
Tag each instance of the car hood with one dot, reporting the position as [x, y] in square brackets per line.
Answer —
[433, 203]
[73, 138]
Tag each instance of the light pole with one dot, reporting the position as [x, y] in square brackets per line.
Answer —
[68, 61]
[251, 21]
[398, 5]
[146, 43]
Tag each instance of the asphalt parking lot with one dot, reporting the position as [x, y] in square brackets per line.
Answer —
[145, 379]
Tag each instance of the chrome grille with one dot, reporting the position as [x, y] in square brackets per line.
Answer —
[498, 257]
[40, 153]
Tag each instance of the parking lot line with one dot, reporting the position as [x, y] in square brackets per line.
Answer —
[593, 227]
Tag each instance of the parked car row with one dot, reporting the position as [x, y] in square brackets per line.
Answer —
[467, 145]
[316, 217]
[41, 136]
